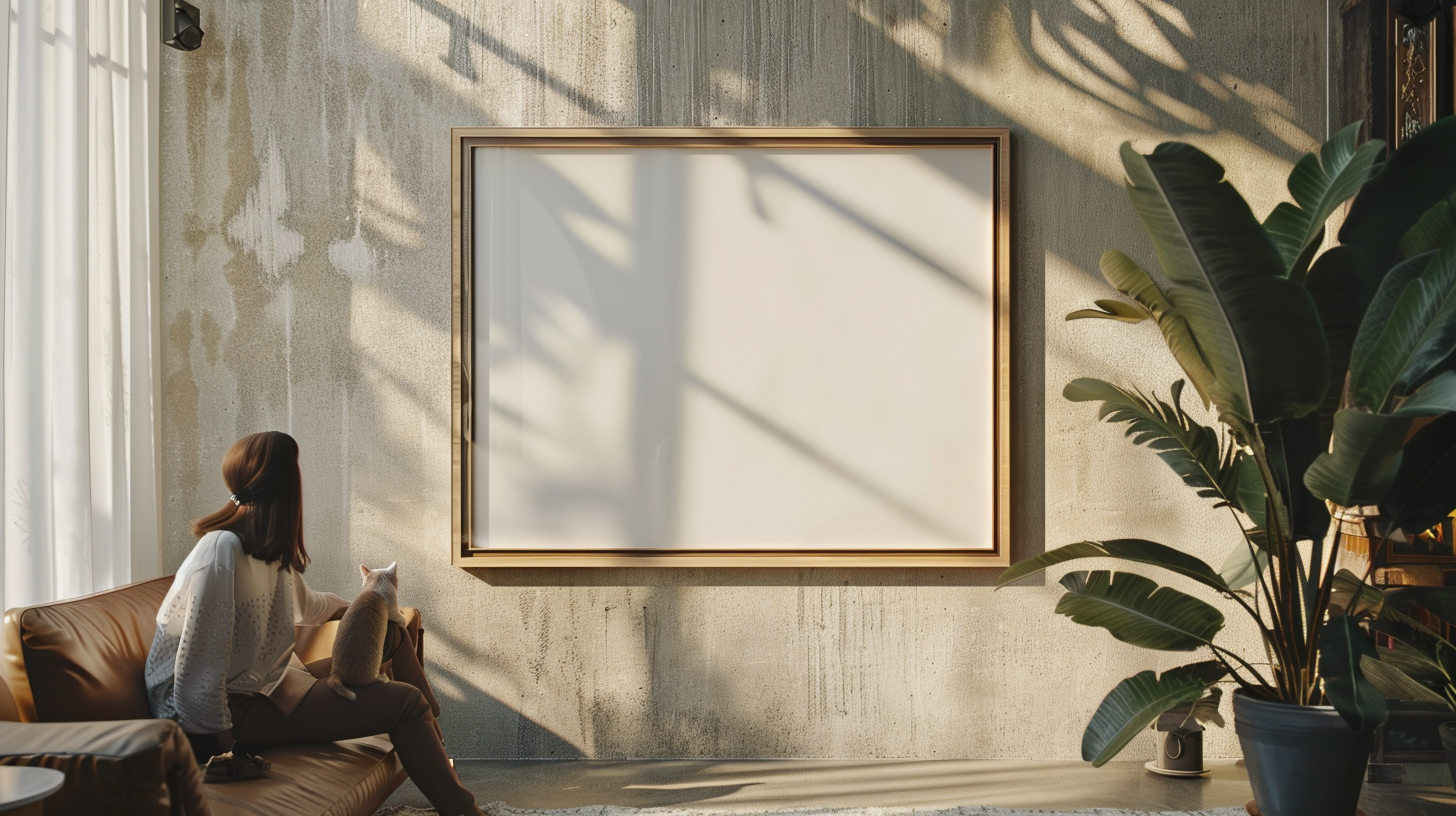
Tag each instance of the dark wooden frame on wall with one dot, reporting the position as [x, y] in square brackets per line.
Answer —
[1380, 74]
[463, 140]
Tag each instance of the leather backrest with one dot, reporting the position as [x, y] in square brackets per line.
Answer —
[82, 659]
[8, 711]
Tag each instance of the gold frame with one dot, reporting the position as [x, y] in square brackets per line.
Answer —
[463, 139]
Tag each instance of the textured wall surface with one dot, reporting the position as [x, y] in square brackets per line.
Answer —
[306, 288]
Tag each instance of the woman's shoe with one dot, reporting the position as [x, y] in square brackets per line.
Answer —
[235, 766]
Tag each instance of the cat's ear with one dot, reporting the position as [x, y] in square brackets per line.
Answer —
[391, 568]
[364, 572]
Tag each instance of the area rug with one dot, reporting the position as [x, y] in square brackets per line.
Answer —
[501, 809]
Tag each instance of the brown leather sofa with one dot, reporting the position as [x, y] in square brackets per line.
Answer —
[72, 698]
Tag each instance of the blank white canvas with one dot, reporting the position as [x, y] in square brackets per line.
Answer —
[734, 348]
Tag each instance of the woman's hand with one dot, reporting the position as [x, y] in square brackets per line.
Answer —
[337, 606]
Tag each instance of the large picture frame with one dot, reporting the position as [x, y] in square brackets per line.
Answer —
[731, 347]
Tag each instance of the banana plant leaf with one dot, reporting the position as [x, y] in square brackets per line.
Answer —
[1415, 336]
[1363, 461]
[1214, 469]
[1424, 489]
[1124, 275]
[1439, 601]
[1437, 396]
[1114, 310]
[1398, 624]
[1412, 662]
[1319, 184]
[1396, 684]
[1357, 598]
[1417, 176]
[1291, 446]
[1136, 610]
[1127, 549]
[1259, 331]
[1336, 291]
[1139, 700]
[1342, 646]
[1376, 316]
[1446, 657]
[1431, 231]
[1205, 708]
[1244, 565]
[1367, 465]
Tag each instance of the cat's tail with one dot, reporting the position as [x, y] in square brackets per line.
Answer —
[339, 688]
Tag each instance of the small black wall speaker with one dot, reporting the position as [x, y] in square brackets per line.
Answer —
[180, 29]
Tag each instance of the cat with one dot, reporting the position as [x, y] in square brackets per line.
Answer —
[359, 643]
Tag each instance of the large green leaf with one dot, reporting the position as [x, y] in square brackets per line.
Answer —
[1396, 623]
[1431, 230]
[1364, 458]
[1243, 565]
[1413, 662]
[1396, 684]
[1259, 331]
[1139, 700]
[1353, 597]
[1136, 610]
[1424, 489]
[1113, 310]
[1319, 184]
[1377, 315]
[1291, 445]
[1342, 646]
[1439, 601]
[1370, 463]
[1212, 468]
[1437, 396]
[1419, 174]
[1336, 292]
[1205, 708]
[1418, 333]
[1132, 280]
[1126, 549]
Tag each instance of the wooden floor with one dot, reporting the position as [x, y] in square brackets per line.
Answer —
[743, 785]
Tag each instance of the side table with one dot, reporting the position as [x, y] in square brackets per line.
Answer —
[22, 788]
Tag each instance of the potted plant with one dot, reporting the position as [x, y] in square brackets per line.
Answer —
[1417, 664]
[1331, 376]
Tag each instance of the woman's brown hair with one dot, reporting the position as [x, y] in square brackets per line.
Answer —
[266, 508]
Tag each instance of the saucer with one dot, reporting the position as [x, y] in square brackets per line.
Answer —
[1152, 765]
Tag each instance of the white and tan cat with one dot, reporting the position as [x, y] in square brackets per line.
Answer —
[359, 643]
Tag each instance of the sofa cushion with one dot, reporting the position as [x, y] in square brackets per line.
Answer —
[121, 767]
[337, 779]
[83, 658]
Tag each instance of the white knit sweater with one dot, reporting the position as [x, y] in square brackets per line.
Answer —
[226, 626]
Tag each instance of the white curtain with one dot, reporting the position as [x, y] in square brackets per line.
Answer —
[77, 457]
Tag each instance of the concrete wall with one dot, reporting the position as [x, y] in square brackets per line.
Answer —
[306, 287]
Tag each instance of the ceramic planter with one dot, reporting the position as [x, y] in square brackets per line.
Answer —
[1302, 760]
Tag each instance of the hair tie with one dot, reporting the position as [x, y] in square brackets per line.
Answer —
[242, 497]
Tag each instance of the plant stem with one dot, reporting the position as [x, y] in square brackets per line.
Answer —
[1288, 670]
[1220, 653]
[1258, 574]
[1322, 603]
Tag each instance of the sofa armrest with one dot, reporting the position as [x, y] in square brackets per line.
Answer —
[115, 766]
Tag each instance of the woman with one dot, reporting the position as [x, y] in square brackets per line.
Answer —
[222, 663]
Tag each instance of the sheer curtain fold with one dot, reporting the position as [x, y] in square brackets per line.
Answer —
[77, 454]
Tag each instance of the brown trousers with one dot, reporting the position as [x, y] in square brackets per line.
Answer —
[403, 708]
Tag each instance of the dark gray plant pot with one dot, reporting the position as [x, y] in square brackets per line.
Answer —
[1302, 760]
[1448, 741]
